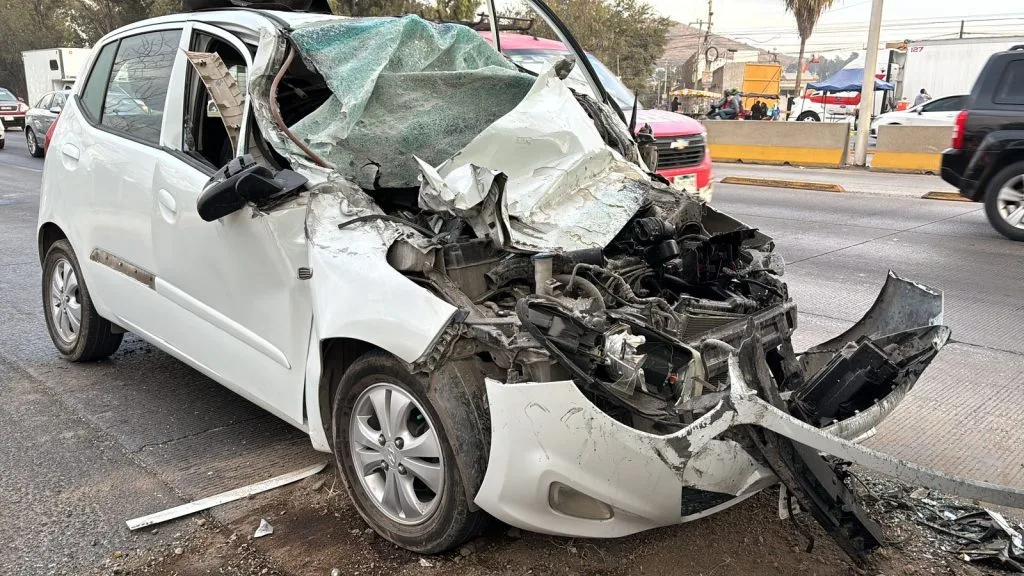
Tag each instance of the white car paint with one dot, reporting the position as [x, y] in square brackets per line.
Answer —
[937, 112]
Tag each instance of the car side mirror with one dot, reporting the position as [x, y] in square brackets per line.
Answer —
[55, 109]
[240, 181]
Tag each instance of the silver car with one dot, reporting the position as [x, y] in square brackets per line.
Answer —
[39, 118]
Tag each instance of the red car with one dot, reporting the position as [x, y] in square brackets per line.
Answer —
[683, 156]
[12, 109]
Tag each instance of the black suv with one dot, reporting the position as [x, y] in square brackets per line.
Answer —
[986, 162]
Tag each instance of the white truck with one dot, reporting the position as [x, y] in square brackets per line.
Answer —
[947, 67]
[52, 69]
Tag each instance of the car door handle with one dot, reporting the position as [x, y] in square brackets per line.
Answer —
[70, 150]
[167, 201]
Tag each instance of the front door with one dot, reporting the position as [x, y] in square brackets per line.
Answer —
[243, 313]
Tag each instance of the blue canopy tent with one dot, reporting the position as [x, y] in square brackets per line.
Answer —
[847, 80]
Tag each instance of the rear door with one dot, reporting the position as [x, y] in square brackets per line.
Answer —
[109, 157]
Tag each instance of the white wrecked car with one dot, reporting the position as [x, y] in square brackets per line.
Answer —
[458, 277]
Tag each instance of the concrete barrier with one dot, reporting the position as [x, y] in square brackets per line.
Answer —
[910, 148]
[795, 143]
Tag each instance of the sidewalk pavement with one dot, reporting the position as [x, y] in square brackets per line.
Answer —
[853, 180]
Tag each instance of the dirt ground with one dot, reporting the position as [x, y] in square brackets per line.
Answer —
[317, 532]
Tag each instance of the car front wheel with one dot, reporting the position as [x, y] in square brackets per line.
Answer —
[1004, 201]
[33, 144]
[77, 330]
[393, 453]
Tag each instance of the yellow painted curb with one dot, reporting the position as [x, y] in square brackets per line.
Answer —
[795, 184]
[950, 196]
[795, 156]
[906, 161]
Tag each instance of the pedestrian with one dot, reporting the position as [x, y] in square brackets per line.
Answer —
[922, 97]
[675, 104]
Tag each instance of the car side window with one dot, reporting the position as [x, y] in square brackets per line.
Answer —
[137, 90]
[58, 101]
[1011, 85]
[96, 84]
[940, 105]
[44, 102]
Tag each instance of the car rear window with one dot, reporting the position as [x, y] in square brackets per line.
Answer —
[1011, 84]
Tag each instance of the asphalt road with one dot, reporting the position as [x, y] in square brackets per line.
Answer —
[85, 447]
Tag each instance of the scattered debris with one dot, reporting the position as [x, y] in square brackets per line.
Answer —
[970, 532]
[335, 571]
[224, 497]
[426, 563]
[264, 529]
[318, 485]
[201, 522]
[514, 533]
[179, 551]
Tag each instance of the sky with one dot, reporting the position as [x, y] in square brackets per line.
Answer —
[766, 24]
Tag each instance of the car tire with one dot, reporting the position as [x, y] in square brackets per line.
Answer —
[64, 290]
[2, 144]
[34, 148]
[444, 519]
[808, 117]
[1004, 199]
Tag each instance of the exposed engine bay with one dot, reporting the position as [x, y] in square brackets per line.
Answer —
[639, 325]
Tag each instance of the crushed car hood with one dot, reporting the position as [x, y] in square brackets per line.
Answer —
[565, 189]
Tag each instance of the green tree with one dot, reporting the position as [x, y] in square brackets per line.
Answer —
[806, 13]
[456, 10]
[28, 25]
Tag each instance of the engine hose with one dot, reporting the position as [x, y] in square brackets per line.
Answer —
[583, 285]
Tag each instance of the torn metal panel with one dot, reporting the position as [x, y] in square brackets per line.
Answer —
[223, 90]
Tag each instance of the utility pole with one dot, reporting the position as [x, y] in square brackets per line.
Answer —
[961, 29]
[707, 43]
[867, 87]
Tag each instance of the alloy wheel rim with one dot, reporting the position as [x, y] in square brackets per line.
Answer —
[1010, 202]
[31, 137]
[396, 453]
[65, 306]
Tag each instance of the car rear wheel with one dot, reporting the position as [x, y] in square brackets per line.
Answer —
[393, 453]
[1004, 202]
[77, 330]
[808, 117]
[33, 144]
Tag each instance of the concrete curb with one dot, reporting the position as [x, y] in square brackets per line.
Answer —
[773, 183]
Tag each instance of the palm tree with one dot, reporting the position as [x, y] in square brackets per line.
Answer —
[807, 13]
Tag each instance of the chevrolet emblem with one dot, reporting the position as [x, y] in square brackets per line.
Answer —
[678, 144]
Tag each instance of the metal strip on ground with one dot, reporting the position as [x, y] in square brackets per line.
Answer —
[224, 497]
[773, 183]
[950, 196]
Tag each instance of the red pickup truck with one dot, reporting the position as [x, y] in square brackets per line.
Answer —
[683, 156]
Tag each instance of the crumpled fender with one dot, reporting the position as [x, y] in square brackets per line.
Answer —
[356, 293]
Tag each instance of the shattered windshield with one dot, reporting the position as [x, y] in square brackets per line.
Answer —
[401, 88]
